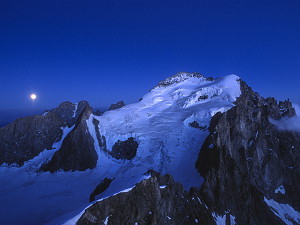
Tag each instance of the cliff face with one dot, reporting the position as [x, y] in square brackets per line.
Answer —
[156, 200]
[77, 151]
[247, 161]
[26, 137]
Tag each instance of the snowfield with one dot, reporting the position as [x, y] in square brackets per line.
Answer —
[160, 124]
[169, 123]
[285, 212]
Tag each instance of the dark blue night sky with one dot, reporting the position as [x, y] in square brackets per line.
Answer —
[107, 50]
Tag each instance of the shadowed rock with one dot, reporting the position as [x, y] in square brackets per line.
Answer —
[157, 200]
[77, 151]
[25, 138]
[124, 149]
[118, 105]
[245, 158]
[100, 138]
[104, 184]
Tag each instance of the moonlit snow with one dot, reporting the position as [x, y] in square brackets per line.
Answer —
[280, 190]
[221, 219]
[160, 123]
[283, 211]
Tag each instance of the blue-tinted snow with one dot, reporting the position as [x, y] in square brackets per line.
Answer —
[167, 144]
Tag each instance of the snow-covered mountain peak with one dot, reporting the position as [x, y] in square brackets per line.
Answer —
[189, 89]
[169, 123]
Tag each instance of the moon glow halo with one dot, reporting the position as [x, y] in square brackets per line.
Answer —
[33, 96]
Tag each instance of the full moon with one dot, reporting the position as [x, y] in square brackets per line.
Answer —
[33, 96]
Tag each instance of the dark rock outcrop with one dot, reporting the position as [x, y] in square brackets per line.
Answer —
[246, 158]
[77, 151]
[100, 138]
[196, 125]
[104, 184]
[97, 112]
[124, 149]
[157, 200]
[118, 105]
[25, 138]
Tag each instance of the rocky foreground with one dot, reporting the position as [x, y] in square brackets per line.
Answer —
[156, 200]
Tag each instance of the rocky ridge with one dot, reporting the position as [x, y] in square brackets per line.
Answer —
[25, 138]
[156, 200]
[118, 105]
[245, 159]
[77, 151]
[177, 78]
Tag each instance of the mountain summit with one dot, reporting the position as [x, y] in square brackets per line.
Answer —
[179, 77]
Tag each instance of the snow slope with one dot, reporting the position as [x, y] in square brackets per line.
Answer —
[169, 124]
[160, 124]
[285, 212]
